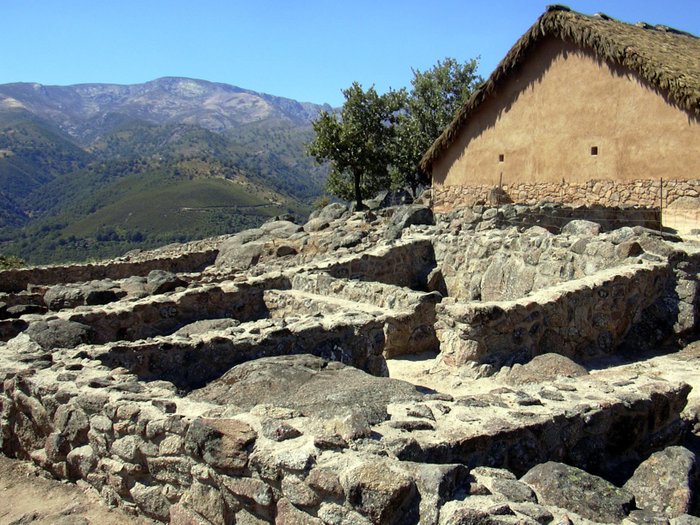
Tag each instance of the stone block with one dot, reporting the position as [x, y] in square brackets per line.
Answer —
[382, 493]
[222, 443]
[575, 490]
[667, 482]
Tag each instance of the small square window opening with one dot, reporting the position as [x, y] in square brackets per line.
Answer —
[594, 151]
[501, 157]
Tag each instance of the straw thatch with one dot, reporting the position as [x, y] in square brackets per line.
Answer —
[666, 58]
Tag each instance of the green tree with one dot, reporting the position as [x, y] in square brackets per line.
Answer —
[358, 143]
[435, 97]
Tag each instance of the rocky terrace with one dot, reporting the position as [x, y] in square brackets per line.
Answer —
[375, 367]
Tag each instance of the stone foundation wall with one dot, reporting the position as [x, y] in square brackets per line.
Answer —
[376, 293]
[163, 314]
[677, 313]
[193, 362]
[599, 440]
[153, 453]
[405, 263]
[498, 265]
[685, 297]
[641, 192]
[408, 316]
[580, 319]
[550, 216]
[12, 299]
[18, 279]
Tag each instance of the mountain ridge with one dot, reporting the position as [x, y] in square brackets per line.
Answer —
[214, 106]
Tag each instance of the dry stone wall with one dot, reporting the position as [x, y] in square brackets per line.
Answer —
[504, 264]
[184, 459]
[258, 394]
[580, 319]
[192, 362]
[550, 216]
[408, 316]
[642, 192]
[163, 314]
[600, 435]
[18, 279]
[402, 263]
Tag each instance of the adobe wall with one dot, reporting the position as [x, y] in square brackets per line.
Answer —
[549, 114]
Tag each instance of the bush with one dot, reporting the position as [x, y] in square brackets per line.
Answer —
[7, 262]
[321, 202]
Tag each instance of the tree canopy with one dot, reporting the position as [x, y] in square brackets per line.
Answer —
[358, 142]
[435, 97]
[377, 141]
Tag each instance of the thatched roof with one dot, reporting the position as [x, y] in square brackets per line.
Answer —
[667, 58]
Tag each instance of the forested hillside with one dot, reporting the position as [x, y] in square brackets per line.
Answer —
[96, 170]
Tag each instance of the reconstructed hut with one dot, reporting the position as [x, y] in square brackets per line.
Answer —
[582, 110]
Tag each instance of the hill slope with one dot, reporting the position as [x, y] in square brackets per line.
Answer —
[32, 152]
[97, 169]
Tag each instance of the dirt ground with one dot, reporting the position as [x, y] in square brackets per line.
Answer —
[26, 498]
[683, 222]
[675, 366]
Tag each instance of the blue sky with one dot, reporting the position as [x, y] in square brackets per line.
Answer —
[306, 50]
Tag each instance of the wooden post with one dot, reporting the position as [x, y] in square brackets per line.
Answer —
[661, 204]
[500, 187]
[561, 197]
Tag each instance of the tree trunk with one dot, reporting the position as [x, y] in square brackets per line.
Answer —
[358, 193]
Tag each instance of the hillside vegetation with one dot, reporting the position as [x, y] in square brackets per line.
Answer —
[153, 164]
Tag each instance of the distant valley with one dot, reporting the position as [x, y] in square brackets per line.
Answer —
[95, 170]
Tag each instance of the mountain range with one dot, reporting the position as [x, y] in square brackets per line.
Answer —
[94, 170]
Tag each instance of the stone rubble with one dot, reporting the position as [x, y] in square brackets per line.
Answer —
[244, 379]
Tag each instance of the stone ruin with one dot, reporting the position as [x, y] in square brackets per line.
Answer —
[375, 367]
